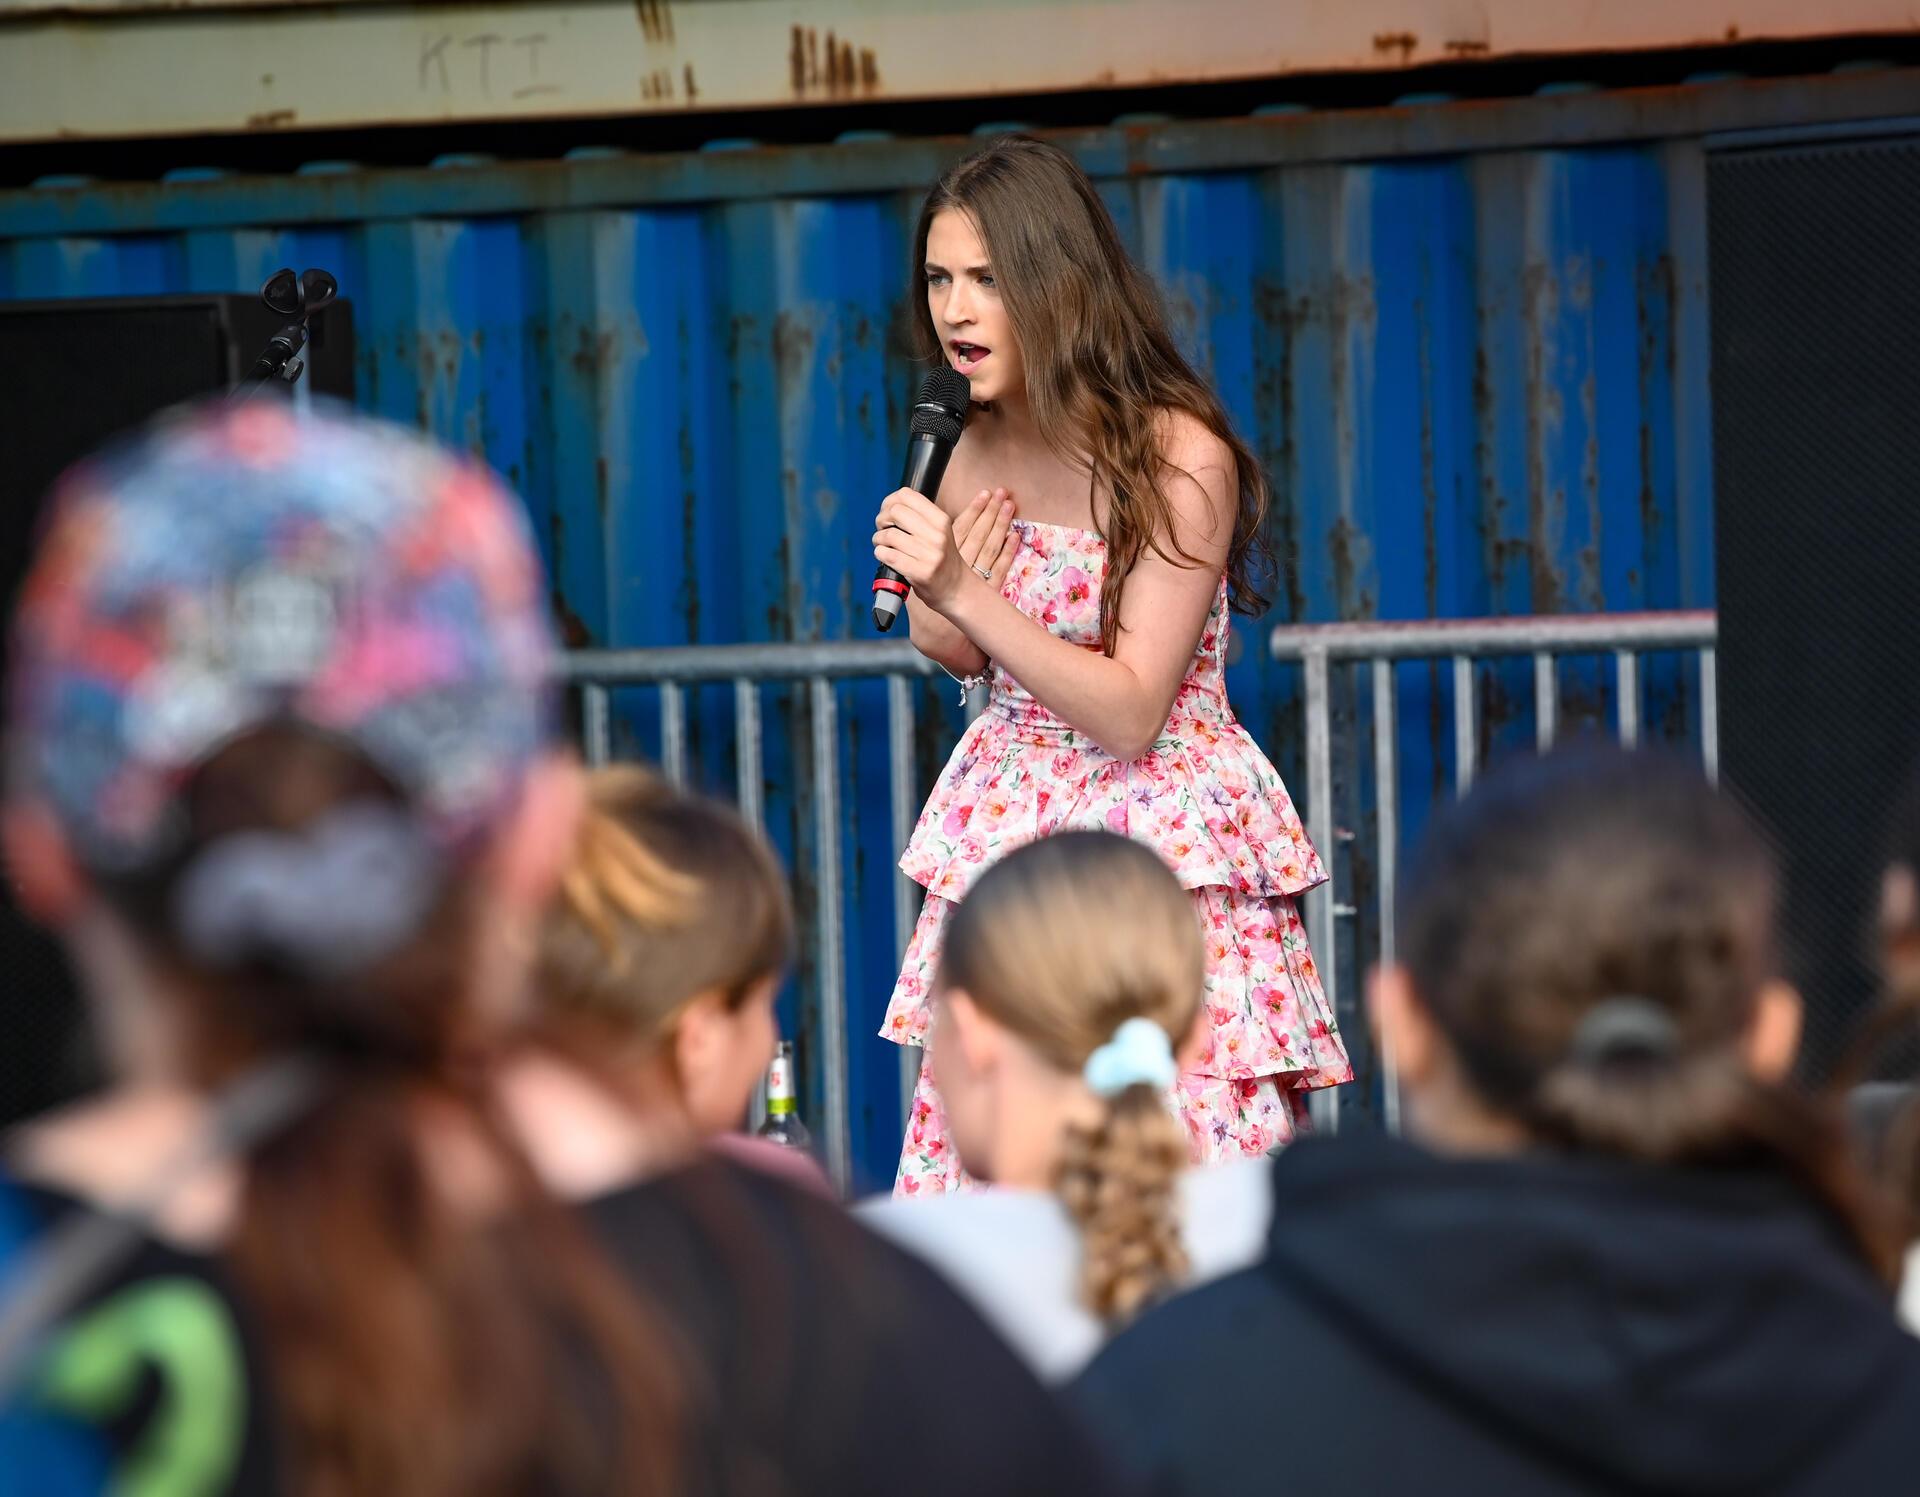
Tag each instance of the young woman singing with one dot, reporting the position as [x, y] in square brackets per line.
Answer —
[1097, 519]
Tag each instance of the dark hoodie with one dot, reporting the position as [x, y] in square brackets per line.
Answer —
[1537, 1324]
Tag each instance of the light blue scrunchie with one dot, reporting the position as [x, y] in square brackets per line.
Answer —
[1139, 1054]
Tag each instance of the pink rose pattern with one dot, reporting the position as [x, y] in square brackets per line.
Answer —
[1205, 798]
[1204, 795]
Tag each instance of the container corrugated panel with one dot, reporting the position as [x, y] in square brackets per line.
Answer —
[1474, 363]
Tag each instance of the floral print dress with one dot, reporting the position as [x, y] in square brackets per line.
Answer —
[1204, 797]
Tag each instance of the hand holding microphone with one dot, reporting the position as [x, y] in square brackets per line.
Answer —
[933, 553]
[938, 416]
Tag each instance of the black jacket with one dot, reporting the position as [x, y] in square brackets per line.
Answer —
[832, 1363]
[1531, 1325]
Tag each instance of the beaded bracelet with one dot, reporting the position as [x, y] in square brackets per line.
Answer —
[968, 684]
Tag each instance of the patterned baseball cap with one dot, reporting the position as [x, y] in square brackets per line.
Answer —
[243, 565]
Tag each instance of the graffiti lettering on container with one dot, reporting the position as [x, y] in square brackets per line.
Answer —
[533, 45]
[520, 66]
[483, 46]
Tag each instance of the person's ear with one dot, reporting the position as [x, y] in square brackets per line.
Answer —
[1772, 1041]
[1899, 900]
[537, 843]
[1402, 1026]
[49, 883]
[979, 1040]
[702, 1035]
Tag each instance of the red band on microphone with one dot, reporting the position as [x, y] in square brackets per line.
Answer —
[888, 585]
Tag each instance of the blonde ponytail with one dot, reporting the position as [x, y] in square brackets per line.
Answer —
[1074, 943]
[1118, 1182]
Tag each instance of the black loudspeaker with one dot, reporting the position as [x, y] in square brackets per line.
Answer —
[1814, 254]
[72, 375]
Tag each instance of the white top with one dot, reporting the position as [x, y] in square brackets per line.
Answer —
[1016, 1253]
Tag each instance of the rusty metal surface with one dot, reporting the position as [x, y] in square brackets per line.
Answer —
[461, 187]
[120, 68]
[1478, 380]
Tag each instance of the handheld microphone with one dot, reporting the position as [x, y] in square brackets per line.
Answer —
[938, 416]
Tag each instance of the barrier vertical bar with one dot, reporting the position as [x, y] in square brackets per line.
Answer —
[1466, 750]
[749, 773]
[1546, 699]
[596, 724]
[1386, 797]
[1710, 711]
[832, 956]
[748, 793]
[906, 893]
[1626, 688]
[1325, 1103]
[673, 732]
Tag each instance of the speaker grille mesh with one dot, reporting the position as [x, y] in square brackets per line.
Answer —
[1815, 265]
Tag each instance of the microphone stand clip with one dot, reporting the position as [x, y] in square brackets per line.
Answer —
[297, 297]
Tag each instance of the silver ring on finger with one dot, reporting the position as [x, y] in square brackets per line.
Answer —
[985, 575]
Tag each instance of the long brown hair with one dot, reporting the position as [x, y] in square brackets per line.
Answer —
[1062, 942]
[1598, 878]
[667, 896]
[413, 1348]
[1103, 373]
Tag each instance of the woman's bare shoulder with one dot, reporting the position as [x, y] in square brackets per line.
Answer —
[1199, 482]
[1189, 445]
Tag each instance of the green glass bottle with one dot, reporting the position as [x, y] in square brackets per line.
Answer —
[783, 1125]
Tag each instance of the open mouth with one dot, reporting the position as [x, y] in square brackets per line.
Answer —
[967, 357]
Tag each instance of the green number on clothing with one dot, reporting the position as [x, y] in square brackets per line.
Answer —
[181, 1329]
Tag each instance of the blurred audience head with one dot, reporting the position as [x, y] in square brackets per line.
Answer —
[279, 706]
[1885, 1059]
[1899, 916]
[281, 772]
[1586, 953]
[662, 957]
[1586, 961]
[1069, 975]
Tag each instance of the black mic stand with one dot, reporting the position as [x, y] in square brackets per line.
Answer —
[298, 297]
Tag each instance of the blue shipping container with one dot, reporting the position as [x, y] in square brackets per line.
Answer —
[1469, 341]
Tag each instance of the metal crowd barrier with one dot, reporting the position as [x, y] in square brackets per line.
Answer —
[1317, 648]
[1463, 642]
[749, 667]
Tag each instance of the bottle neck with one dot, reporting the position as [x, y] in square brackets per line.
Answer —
[780, 1097]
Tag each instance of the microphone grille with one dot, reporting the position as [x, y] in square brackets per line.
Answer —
[942, 407]
[938, 424]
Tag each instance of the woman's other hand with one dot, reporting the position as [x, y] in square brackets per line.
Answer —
[984, 533]
[938, 554]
